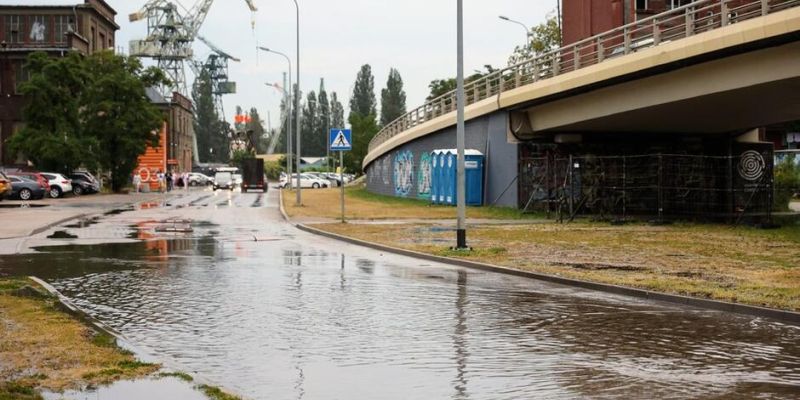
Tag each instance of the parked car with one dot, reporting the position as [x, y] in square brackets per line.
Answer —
[25, 189]
[306, 181]
[223, 180]
[84, 183]
[198, 179]
[34, 176]
[59, 184]
[5, 185]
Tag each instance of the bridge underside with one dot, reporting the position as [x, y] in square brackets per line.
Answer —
[734, 94]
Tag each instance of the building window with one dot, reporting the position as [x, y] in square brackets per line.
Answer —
[94, 40]
[62, 27]
[102, 40]
[13, 28]
[38, 32]
[21, 75]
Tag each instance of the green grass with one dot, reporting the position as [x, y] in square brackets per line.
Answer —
[180, 375]
[17, 391]
[215, 393]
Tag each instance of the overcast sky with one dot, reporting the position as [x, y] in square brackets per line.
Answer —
[418, 37]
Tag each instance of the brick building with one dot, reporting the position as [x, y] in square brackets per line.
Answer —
[57, 30]
[178, 136]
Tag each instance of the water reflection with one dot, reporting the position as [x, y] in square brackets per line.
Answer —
[283, 319]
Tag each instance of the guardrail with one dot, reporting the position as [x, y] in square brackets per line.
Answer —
[680, 22]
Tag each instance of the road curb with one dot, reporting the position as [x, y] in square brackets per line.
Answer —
[283, 210]
[788, 317]
[53, 224]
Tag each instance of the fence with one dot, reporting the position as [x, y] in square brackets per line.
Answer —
[662, 186]
[678, 23]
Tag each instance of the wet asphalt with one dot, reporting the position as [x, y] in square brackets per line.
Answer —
[248, 302]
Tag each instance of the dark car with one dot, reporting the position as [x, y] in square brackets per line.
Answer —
[84, 183]
[25, 189]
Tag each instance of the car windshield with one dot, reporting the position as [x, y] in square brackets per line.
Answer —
[223, 175]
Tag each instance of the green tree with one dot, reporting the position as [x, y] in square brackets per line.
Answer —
[313, 144]
[544, 38]
[53, 137]
[364, 129]
[104, 116]
[440, 87]
[393, 98]
[323, 115]
[363, 100]
[118, 114]
[337, 112]
[211, 131]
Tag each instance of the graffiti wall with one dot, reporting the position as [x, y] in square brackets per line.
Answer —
[406, 170]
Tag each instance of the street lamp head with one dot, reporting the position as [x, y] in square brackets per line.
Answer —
[264, 48]
[503, 17]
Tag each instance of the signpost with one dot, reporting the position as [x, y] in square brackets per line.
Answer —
[341, 140]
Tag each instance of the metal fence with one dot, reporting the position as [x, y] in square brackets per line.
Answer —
[662, 186]
[678, 23]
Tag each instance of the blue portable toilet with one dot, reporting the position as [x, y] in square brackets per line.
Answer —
[441, 177]
[434, 179]
[473, 170]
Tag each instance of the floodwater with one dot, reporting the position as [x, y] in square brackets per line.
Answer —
[252, 304]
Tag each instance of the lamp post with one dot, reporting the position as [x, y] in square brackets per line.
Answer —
[297, 104]
[289, 130]
[461, 231]
[528, 33]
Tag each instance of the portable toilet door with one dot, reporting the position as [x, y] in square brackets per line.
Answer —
[441, 176]
[473, 174]
[434, 180]
[451, 178]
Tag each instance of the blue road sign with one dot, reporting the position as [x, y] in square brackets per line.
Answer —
[341, 140]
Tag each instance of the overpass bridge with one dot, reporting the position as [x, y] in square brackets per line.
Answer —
[691, 82]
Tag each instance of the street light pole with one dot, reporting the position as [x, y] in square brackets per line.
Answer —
[289, 106]
[297, 104]
[528, 33]
[461, 231]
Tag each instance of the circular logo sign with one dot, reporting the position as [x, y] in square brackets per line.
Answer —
[751, 165]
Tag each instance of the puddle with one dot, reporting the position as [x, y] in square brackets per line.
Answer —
[154, 388]
[62, 235]
[118, 211]
[83, 223]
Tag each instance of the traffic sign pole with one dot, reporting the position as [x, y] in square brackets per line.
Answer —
[341, 140]
[341, 178]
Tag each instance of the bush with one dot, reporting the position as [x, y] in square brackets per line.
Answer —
[787, 182]
[273, 169]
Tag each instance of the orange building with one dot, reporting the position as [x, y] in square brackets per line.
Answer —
[153, 162]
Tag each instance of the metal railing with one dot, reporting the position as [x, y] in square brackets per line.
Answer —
[677, 23]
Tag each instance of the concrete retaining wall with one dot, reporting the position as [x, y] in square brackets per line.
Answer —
[405, 171]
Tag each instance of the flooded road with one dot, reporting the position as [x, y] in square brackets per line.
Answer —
[250, 303]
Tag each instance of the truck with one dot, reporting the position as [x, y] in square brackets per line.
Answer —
[253, 175]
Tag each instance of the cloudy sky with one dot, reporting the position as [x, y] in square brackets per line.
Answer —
[418, 37]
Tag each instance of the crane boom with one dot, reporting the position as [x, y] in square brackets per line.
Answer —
[217, 49]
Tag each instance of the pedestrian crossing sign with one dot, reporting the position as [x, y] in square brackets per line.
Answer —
[341, 140]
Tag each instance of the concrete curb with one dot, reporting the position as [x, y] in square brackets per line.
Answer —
[283, 211]
[788, 317]
[54, 224]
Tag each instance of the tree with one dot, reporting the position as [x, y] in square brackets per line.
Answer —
[255, 128]
[393, 98]
[323, 115]
[209, 128]
[363, 100]
[53, 137]
[313, 145]
[545, 37]
[364, 129]
[440, 87]
[118, 114]
[337, 112]
[89, 111]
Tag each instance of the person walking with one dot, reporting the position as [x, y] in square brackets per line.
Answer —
[169, 181]
[162, 181]
[137, 181]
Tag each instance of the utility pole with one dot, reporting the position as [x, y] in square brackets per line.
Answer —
[461, 231]
[297, 105]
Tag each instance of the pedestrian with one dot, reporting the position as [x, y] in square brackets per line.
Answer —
[186, 180]
[162, 182]
[137, 181]
[169, 181]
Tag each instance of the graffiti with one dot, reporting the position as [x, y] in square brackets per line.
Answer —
[752, 165]
[424, 176]
[403, 173]
[384, 168]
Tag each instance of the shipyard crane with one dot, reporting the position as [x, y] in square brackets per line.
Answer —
[170, 35]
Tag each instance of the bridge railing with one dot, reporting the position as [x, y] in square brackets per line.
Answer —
[677, 23]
